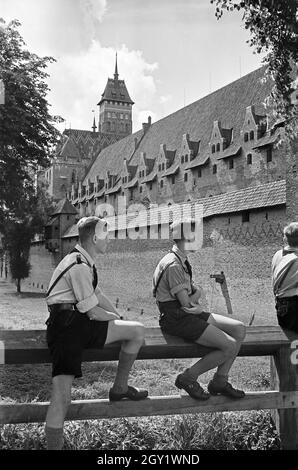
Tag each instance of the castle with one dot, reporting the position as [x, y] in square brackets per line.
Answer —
[219, 151]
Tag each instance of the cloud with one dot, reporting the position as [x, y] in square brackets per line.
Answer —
[165, 99]
[77, 83]
[61, 26]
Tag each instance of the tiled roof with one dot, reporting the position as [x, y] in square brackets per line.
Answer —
[266, 140]
[172, 170]
[82, 144]
[231, 151]
[150, 177]
[64, 207]
[200, 160]
[132, 183]
[265, 195]
[228, 105]
[71, 232]
[116, 90]
[115, 189]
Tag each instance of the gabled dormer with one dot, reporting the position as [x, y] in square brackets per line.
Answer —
[161, 160]
[99, 184]
[110, 180]
[254, 125]
[188, 150]
[220, 138]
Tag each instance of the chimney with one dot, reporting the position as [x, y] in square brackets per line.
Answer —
[146, 125]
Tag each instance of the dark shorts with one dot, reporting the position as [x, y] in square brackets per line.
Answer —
[287, 312]
[68, 334]
[174, 321]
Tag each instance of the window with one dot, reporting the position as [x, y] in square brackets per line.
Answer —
[269, 155]
[141, 189]
[249, 159]
[251, 135]
[163, 166]
[127, 127]
[199, 172]
[150, 186]
[161, 184]
[186, 158]
[159, 167]
[182, 159]
[266, 216]
[113, 115]
[231, 164]
[121, 115]
[245, 216]
[245, 137]
[126, 116]
[214, 169]
[218, 147]
[109, 114]
[185, 177]
[213, 149]
[173, 179]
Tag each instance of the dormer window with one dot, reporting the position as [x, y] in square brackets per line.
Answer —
[214, 169]
[218, 147]
[251, 135]
[245, 137]
[161, 183]
[249, 159]
[182, 159]
[213, 149]
[185, 177]
[186, 158]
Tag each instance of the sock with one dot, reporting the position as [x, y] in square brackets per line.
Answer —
[54, 438]
[126, 361]
[220, 379]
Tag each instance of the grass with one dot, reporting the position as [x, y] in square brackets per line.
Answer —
[27, 383]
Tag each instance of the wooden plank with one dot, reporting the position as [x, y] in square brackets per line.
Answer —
[153, 406]
[286, 377]
[29, 347]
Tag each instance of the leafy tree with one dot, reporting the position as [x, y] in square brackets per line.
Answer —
[27, 132]
[274, 31]
[19, 232]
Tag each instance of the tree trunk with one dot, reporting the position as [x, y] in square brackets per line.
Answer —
[18, 286]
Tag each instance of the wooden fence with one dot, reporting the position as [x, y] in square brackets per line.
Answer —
[29, 347]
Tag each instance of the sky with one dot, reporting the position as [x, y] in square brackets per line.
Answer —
[170, 52]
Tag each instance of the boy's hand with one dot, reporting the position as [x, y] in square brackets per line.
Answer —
[194, 309]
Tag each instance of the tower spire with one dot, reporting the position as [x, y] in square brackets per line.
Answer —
[116, 69]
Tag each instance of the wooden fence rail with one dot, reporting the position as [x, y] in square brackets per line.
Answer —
[29, 347]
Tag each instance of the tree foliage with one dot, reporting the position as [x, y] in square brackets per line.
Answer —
[27, 132]
[274, 31]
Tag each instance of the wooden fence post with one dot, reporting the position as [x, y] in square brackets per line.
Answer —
[284, 377]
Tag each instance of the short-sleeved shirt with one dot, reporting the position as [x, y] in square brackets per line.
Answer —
[285, 272]
[175, 277]
[76, 286]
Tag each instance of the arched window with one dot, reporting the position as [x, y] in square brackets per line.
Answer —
[214, 169]
[213, 149]
[73, 177]
[245, 137]
[218, 147]
[249, 159]
[185, 177]
[251, 135]
[182, 159]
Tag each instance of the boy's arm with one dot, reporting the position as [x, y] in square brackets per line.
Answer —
[105, 303]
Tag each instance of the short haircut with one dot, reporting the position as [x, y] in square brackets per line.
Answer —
[86, 227]
[291, 234]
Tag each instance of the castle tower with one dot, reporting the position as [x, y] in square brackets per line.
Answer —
[115, 108]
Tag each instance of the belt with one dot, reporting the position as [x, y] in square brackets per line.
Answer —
[61, 307]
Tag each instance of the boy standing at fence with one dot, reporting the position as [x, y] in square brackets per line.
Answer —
[285, 279]
[81, 317]
[181, 315]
